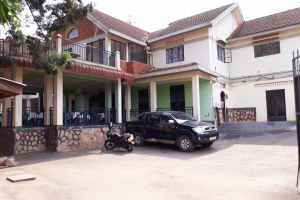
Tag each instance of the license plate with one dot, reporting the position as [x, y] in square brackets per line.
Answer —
[213, 138]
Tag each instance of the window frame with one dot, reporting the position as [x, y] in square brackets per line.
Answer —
[261, 50]
[221, 53]
[131, 53]
[179, 55]
[73, 29]
[120, 43]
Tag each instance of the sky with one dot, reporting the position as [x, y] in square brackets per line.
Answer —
[152, 15]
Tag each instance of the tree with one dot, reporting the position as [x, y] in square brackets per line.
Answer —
[9, 10]
[49, 16]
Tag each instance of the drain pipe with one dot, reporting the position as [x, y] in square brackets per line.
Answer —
[147, 48]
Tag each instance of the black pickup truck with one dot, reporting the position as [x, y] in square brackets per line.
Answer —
[172, 127]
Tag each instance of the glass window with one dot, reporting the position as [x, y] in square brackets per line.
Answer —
[141, 117]
[153, 118]
[165, 119]
[267, 49]
[73, 33]
[221, 54]
[175, 54]
[118, 46]
[137, 53]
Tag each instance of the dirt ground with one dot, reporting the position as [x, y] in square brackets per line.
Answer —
[259, 166]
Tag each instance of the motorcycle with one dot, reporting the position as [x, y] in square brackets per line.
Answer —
[115, 140]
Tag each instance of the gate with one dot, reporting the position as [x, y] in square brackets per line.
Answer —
[296, 75]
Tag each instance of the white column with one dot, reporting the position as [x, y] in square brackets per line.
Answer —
[108, 96]
[17, 100]
[58, 43]
[6, 102]
[107, 48]
[78, 100]
[196, 97]
[153, 98]
[118, 100]
[128, 101]
[48, 98]
[118, 60]
[58, 99]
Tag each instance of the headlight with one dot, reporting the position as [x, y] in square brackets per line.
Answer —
[198, 129]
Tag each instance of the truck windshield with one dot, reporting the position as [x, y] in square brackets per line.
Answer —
[183, 117]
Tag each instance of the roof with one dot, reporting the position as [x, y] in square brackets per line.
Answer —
[189, 22]
[120, 26]
[267, 23]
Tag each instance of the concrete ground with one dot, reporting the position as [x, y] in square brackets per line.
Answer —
[256, 166]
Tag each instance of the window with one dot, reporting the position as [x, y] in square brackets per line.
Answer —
[141, 117]
[175, 54]
[73, 33]
[165, 119]
[137, 53]
[153, 118]
[120, 47]
[221, 54]
[267, 49]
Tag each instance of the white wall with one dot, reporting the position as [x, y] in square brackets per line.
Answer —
[247, 95]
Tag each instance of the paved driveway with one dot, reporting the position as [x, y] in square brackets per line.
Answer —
[260, 166]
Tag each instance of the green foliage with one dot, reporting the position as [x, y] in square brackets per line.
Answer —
[49, 16]
[8, 11]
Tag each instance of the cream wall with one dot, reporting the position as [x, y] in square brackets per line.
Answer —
[247, 95]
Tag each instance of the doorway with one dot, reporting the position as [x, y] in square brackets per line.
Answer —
[223, 105]
[143, 100]
[177, 98]
[276, 109]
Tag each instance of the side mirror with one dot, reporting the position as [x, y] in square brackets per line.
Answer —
[171, 121]
[110, 125]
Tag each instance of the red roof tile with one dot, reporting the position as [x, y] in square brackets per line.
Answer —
[267, 23]
[189, 22]
[120, 26]
[170, 68]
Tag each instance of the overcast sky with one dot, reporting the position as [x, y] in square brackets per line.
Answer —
[152, 15]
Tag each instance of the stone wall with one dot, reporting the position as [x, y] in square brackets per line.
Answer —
[241, 114]
[30, 140]
[75, 138]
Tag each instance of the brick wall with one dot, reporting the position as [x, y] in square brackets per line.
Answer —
[85, 27]
[134, 67]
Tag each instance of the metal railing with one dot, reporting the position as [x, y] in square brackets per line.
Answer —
[32, 117]
[89, 53]
[134, 113]
[188, 110]
[15, 49]
[87, 116]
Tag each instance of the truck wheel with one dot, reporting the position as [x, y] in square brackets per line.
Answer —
[185, 143]
[139, 140]
[207, 144]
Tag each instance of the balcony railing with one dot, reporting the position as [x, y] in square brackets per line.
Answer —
[89, 53]
[87, 116]
[32, 117]
[188, 110]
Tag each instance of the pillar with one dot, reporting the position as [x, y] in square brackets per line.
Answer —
[79, 98]
[58, 99]
[48, 98]
[153, 98]
[58, 43]
[196, 97]
[118, 100]
[107, 48]
[17, 100]
[6, 102]
[128, 101]
[108, 97]
[118, 60]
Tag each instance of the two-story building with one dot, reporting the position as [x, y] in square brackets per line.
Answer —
[211, 60]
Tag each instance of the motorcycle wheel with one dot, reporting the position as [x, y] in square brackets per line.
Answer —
[129, 147]
[109, 144]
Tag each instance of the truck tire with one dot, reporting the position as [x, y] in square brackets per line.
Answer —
[185, 143]
[139, 140]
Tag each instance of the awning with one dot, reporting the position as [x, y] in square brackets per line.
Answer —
[10, 88]
[99, 71]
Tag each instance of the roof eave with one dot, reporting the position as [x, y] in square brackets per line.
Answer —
[180, 32]
[97, 23]
[127, 37]
[178, 70]
[225, 13]
[263, 33]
